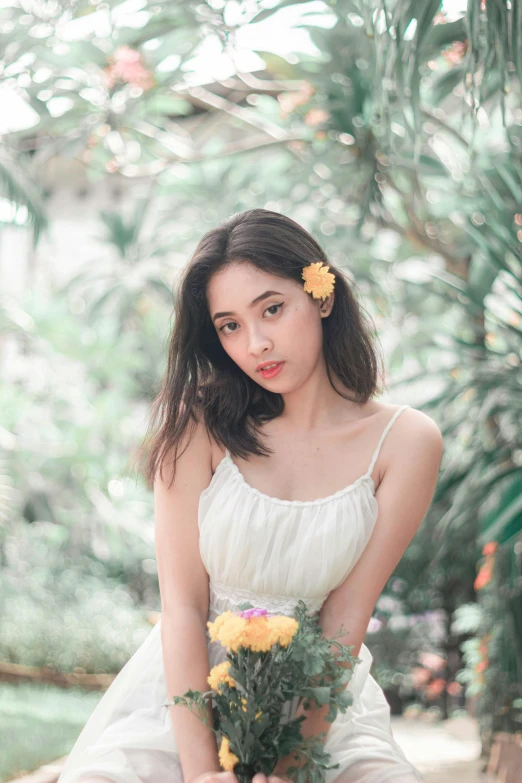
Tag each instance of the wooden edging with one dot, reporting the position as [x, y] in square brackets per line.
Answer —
[15, 672]
[505, 759]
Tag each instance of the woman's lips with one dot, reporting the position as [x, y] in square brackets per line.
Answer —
[273, 372]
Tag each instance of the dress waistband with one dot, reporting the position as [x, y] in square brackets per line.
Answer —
[224, 598]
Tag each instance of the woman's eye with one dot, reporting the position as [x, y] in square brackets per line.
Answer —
[233, 323]
[225, 325]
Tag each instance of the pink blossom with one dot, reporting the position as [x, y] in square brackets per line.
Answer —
[432, 661]
[316, 116]
[126, 66]
[420, 676]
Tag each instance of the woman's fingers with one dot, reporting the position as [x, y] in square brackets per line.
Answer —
[207, 777]
[259, 777]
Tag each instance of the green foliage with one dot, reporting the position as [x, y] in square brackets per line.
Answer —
[493, 653]
[61, 614]
[130, 284]
[18, 186]
[114, 99]
[70, 434]
[77, 542]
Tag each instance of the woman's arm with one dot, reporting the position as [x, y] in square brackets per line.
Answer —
[412, 461]
[184, 591]
[412, 455]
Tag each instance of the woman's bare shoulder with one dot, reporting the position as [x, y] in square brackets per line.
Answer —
[413, 428]
[420, 423]
[410, 414]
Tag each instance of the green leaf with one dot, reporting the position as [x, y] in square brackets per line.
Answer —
[167, 105]
[322, 694]
[444, 84]
[510, 181]
[344, 698]
[505, 520]
[440, 36]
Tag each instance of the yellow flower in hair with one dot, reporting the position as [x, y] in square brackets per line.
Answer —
[227, 759]
[318, 280]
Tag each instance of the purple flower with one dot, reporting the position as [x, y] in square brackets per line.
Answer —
[248, 613]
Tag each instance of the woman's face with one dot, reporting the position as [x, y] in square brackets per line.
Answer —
[260, 318]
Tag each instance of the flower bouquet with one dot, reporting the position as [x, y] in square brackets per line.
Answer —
[271, 660]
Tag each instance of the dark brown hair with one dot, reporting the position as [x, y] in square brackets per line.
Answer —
[202, 381]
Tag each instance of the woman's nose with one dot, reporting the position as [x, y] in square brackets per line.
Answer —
[259, 343]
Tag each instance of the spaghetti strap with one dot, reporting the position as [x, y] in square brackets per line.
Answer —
[385, 432]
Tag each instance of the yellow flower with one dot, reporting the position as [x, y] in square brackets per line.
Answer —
[258, 634]
[244, 702]
[283, 629]
[228, 629]
[227, 759]
[232, 633]
[258, 714]
[319, 281]
[215, 627]
[219, 674]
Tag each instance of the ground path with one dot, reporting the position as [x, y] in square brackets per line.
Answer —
[444, 752]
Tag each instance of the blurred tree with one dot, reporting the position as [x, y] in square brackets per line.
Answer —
[133, 280]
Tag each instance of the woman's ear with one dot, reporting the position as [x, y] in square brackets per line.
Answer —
[326, 306]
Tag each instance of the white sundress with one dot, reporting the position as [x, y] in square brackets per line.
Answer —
[272, 553]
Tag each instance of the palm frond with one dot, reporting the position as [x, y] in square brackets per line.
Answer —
[18, 187]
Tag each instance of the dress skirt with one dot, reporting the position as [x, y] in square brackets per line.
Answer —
[129, 736]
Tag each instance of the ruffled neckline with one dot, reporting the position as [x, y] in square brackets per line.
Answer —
[362, 481]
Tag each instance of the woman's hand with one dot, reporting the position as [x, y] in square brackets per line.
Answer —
[259, 777]
[229, 777]
[216, 777]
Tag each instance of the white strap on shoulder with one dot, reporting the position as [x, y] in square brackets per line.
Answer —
[385, 432]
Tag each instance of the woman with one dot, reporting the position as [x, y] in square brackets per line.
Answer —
[270, 485]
